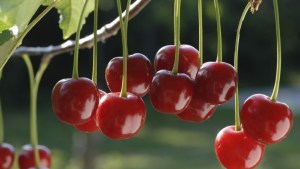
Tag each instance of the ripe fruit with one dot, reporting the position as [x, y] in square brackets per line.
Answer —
[26, 157]
[139, 74]
[265, 120]
[216, 82]
[235, 150]
[170, 93]
[91, 125]
[75, 100]
[188, 59]
[7, 156]
[121, 117]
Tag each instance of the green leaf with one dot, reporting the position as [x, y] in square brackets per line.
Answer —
[5, 36]
[4, 26]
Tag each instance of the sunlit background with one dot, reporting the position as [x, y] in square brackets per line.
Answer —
[165, 142]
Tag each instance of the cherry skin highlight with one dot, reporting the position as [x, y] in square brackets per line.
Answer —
[236, 150]
[90, 126]
[216, 82]
[265, 120]
[170, 94]
[26, 157]
[7, 156]
[188, 59]
[74, 101]
[121, 117]
[139, 74]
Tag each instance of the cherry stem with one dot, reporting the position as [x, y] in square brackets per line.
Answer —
[236, 56]
[75, 73]
[1, 124]
[278, 39]
[200, 11]
[177, 4]
[34, 86]
[124, 27]
[95, 48]
[219, 31]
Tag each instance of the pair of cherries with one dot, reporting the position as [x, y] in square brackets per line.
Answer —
[80, 103]
[193, 93]
[26, 158]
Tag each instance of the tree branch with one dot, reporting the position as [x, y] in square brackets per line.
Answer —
[103, 33]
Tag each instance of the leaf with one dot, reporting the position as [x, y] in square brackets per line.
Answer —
[4, 26]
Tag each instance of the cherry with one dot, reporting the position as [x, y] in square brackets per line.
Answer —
[170, 93]
[216, 82]
[90, 126]
[26, 157]
[235, 150]
[7, 156]
[139, 74]
[121, 117]
[188, 59]
[198, 110]
[75, 100]
[265, 120]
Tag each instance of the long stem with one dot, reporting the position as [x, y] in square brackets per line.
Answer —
[236, 56]
[95, 49]
[75, 73]
[278, 39]
[219, 31]
[1, 125]
[200, 11]
[176, 35]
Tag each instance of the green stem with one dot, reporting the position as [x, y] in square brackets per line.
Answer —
[236, 56]
[177, 4]
[75, 73]
[1, 125]
[278, 39]
[200, 11]
[95, 49]
[28, 28]
[219, 31]
[124, 27]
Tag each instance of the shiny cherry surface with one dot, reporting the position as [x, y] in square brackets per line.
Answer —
[139, 74]
[75, 100]
[264, 120]
[7, 156]
[170, 93]
[120, 117]
[236, 150]
[26, 157]
[216, 82]
[188, 59]
[90, 126]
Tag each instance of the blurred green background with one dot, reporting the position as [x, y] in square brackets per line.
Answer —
[165, 142]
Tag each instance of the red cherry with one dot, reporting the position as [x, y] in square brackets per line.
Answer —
[264, 120]
[198, 110]
[75, 100]
[7, 156]
[216, 82]
[26, 157]
[90, 126]
[139, 74]
[235, 150]
[170, 93]
[188, 59]
[120, 117]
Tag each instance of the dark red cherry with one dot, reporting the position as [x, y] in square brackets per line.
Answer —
[264, 120]
[188, 59]
[216, 82]
[236, 150]
[198, 110]
[90, 126]
[120, 117]
[26, 157]
[7, 156]
[75, 100]
[170, 93]
[139, 74]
